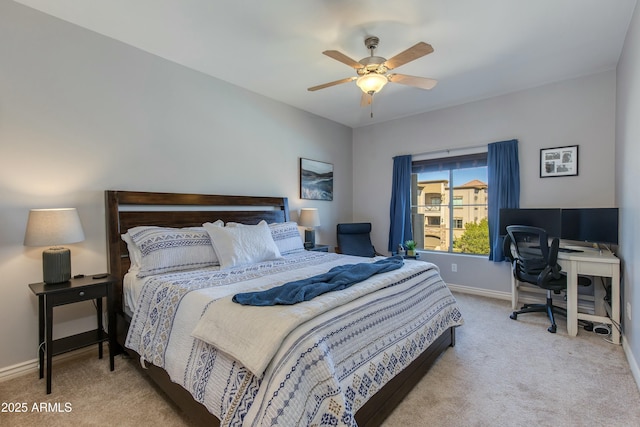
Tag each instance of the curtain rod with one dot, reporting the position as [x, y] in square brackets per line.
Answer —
[450, 150]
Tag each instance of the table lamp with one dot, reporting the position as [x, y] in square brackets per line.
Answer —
[53, 227]
[309, 218]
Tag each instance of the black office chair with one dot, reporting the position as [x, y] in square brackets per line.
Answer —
[355, 239]
[535, 262]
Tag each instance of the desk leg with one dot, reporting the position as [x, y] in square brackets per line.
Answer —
[48, 342]
[41, 341]
[100, 327]
[572, 299]
[615, 305]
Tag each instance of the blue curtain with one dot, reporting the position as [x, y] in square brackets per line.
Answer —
[400, 211]
[504, 189]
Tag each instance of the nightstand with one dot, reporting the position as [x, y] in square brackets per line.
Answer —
[319, 248]
[75, 290]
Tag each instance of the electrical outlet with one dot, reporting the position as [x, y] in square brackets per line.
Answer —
[454, 268]
[628, 310]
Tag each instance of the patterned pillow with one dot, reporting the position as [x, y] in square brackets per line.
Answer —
[164, 249]
[242, 244]
[287, 237]
[134, 252]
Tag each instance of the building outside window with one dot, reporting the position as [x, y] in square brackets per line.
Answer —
[453, 215]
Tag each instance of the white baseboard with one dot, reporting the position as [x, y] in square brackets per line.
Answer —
[31, 366]
[635, 371]
[481, 292]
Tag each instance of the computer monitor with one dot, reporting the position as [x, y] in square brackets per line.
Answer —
[548, 219]
[596, 225]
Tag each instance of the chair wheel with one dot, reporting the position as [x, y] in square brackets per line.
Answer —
[514, 316]
[552, 329]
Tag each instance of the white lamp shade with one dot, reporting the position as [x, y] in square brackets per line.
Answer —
[47, 227]
[372, 82]
[309, 217]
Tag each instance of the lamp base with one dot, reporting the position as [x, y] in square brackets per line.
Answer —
[309, 238]
[56, 265]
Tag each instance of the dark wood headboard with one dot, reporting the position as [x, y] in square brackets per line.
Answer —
[128, 209]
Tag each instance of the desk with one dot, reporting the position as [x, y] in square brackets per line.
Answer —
[589, 263]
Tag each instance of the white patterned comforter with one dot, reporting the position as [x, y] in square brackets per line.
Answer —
[325, 369]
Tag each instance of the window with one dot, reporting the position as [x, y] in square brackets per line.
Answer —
[451, 190]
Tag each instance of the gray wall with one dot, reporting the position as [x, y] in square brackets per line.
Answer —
[81, 113]
[580, 112]
[627, 182]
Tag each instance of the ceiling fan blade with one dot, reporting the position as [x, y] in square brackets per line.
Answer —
[419, 82]
[339, 56]
[414, 52]
[366, 99]
[337, 82]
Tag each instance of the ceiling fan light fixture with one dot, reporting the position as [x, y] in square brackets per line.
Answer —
[371, 83]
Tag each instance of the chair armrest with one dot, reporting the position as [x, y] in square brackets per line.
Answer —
[553, 252]
[549, 273]
[506, 248]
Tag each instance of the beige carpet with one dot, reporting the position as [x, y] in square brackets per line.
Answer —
[500, 373]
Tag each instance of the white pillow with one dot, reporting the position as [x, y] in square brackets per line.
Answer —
[287, 237]
[243, 245]
[134, 252]
[166, 249]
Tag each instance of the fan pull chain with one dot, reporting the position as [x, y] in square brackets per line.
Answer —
[371, 105]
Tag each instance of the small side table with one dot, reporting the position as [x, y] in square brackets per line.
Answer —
[75, 290]
[319, 248]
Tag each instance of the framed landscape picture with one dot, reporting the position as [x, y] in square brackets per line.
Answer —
[559, 161]
[316, 180]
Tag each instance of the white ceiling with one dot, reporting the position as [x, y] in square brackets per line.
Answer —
[482, 48]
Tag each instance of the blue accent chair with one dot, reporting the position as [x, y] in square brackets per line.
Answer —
[355, 239]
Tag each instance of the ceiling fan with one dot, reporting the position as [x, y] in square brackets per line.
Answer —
[372, 70]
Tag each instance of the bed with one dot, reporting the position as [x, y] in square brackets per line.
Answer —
[357, 354]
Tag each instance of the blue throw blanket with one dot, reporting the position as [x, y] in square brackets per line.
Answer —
[338, 278]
